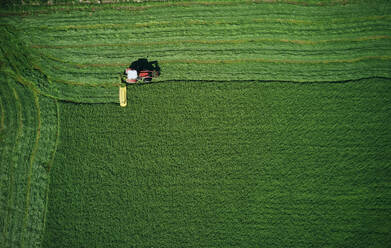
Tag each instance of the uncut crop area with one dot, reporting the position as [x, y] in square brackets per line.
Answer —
[269, 126]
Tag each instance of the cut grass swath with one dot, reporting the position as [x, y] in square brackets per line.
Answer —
[25, 175]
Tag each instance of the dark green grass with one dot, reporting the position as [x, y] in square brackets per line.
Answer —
[225, 165]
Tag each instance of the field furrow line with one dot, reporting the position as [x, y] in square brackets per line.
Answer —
[334, 24]
[13, 229]
[13, 165]
[252, 128]
[228, 61]
[211, 42]
[255, 25]
[206, 61]
[183, 35]
[30, 168]
[199, 18]
[193, 4]
[47, 147]
[380, 47]
[34, 148]
[9, 139]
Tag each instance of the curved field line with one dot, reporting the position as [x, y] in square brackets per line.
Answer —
[28, 84]
[17, 140]
[101, 85]
[210, 42]
[51, 163]
[35, 148]
[36, 90]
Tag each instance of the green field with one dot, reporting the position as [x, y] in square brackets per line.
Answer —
[269, 126]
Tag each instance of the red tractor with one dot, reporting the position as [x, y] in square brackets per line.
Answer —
[147, 75]
[145, 70]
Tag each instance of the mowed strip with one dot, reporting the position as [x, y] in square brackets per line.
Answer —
[187, 23]
[81, 53]
[211, 42]
[237, 61]
[147, 5]
[26, 179]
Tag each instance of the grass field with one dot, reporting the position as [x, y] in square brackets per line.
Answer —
[225, 165]
[269, 126]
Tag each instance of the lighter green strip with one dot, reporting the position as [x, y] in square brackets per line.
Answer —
[99, 85]
[29, 84]
[106, 85]
[260, 60]
[32, 156]
[36, 90]
[17, 139]
[238, 41]
[183, 4]
[229, 61]
[19, 113]
[203, 22]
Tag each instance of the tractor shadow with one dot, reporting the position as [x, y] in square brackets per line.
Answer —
[146, 70]
[142, 64]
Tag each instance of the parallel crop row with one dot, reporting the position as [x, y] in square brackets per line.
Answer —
[17, 167]
[198, 159]
[228, 41]
[8, 140]
[77, 56]
[22, 65]
[29, 131]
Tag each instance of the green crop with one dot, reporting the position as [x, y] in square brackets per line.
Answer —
[267, 127]
[225, 165]
[77, 55]
[29, 140]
